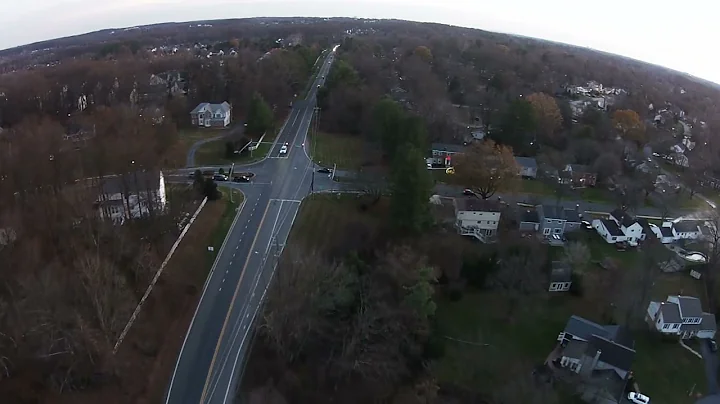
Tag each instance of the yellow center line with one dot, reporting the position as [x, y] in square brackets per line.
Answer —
[232, 303]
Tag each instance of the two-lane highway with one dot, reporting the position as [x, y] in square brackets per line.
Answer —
[213, 351]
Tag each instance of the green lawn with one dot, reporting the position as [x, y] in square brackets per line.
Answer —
[214, 153]
[348, 152]
[596, 195]
[535, 187]
[223, 225]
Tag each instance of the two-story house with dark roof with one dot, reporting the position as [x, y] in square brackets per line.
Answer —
[132, 196]
[597, 353]
[682, 316]
[556, 220]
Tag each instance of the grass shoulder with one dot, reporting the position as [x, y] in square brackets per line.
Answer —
[349, 152]
[214, 152]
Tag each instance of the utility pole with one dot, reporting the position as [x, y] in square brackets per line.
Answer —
[232, 191]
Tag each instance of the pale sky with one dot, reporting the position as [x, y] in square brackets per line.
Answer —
[665, 32]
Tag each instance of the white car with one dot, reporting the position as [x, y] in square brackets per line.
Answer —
[283, 149]
[638, 398]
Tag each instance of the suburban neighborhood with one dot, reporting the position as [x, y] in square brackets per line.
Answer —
[349, 210]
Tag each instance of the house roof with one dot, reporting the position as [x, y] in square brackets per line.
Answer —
[214, 108]
[200, 107]
[560, 272]
[552, 211]
[612, 227]
[611, 352]
[530, 216]
[445, 147]
[666, 231]
[670, 312]
[473, 204]
[580, 168]
[527, 162]
[584, 329]
[690, 306]
[130, 182]
[571, 215]
[708, 321]
[620, 335]
[622, 217]
[686, 226]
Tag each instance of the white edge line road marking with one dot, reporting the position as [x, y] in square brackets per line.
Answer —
[236, 330]
[257, 308]
[256, 280]
[202, 296]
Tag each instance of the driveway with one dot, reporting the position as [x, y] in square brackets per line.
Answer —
[711, 362]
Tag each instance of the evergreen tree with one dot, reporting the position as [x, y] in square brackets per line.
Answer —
[260, 116]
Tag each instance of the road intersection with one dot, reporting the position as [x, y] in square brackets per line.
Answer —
[217, 340]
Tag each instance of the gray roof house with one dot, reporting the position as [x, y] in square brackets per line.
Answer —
[556, 220]
[681, 316]
[600, 355]
[211, 115]
[528, 166]
[560, 277]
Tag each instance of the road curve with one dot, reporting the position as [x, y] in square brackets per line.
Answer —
[216, 342]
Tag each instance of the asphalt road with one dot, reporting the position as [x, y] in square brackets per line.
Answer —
[217, 340]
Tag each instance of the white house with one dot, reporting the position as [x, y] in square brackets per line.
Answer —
[132, 196]
[211, 115]
[682, 316]
[630, 227]
[664, 233]
[478, 218]
[609, 230]
[620, 226]
[560, 277]
[686, 229]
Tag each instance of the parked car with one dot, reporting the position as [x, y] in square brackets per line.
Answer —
[713, 345]
[240, 178]
[283, 149]
[587, 224]
[324, 170]
[637, 398]
[469, 192]
[219, 177]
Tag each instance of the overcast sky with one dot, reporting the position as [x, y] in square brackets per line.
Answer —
[669, 33]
